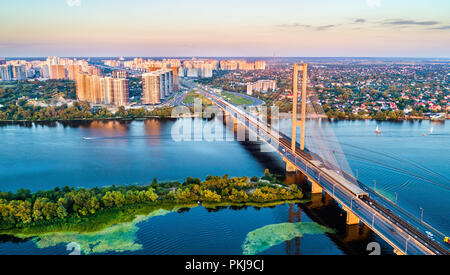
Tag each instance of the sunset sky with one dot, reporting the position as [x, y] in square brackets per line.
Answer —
[397, 28]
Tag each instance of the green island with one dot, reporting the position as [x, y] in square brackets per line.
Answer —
[90, 210]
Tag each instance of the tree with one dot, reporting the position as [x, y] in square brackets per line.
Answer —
[113, 198]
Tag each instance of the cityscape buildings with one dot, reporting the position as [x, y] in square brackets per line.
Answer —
[261, 86]
[157, 85]
[57, 72]
[6, 72]
[102, 90]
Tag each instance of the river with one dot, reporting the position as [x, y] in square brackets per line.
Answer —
[406, 160]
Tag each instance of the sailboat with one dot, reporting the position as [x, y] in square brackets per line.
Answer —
[378, 131]
[431, 130]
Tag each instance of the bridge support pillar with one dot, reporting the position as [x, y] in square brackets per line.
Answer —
[235, 124]
[290, 167]
[315, 188]
[351, 217]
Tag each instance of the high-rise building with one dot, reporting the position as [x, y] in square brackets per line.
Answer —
[73, 70]
[81, 86]
[20, 72]
[44, 71]
[260, 65]
[206, 70]
[168, 82]
[6, 72]
[53, 60]
[157, 85]
[121, 92]
[92, 70]
[57, 72]
[151, 88]
[228, 65]
[107, 86]
[176, 81]
[102, 90]
[261, 86]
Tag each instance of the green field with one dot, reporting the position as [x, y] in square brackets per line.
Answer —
[236, 99]
[191, 96]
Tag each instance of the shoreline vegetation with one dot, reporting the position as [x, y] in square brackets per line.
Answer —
[81, 111]
[17, 104]
[82, 210]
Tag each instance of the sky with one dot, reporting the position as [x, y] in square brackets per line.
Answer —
[315, 28]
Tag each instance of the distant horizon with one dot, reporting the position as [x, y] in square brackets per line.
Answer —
[252, 28]
[218, 56]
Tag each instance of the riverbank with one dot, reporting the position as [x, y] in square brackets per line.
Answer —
[281, 116]
[88, 210]
[105, 119]
[407, 118]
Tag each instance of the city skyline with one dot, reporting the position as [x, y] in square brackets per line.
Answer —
[352, 28]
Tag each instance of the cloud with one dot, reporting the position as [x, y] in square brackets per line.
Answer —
[374, 3]
[326, 27]
[359, 21]
[296, 25]
[442, 28]
[410, 23]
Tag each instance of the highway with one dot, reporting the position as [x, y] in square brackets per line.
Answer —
[398, 228]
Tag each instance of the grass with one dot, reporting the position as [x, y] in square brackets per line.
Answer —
[192, 96]
[236, 99]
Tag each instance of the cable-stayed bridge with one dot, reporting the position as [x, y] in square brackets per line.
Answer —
[404, 232]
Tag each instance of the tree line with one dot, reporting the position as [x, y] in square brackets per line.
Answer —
[27, 209]
[77, 111]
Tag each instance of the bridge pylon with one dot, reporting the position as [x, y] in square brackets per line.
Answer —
[295, 122]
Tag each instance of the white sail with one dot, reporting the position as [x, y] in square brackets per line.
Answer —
[378, 131]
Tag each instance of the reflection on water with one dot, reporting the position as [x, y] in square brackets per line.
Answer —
[352, 239]
[153, 129]
[108, 128]
[263, 238]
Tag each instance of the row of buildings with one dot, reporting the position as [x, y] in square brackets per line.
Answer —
[13, 72]
[102, 90]
[157, 85]
[198, 68]
[242, 65]
[193, 68]
[52, 68]
[261, 86]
